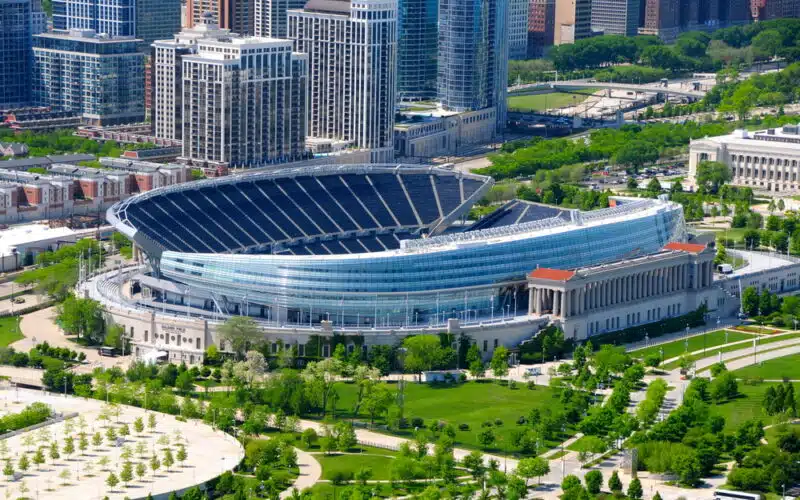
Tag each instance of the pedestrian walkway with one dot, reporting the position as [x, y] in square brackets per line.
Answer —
[310, 473]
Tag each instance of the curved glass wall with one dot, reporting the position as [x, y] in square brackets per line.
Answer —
[472, 282]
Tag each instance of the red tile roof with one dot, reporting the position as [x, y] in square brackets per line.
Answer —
[545, 273]
[685, 247]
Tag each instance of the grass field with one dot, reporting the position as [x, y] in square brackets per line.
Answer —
[773, 369]
[762, 341]
[764, 330]
[381, 490]
[541, 102]
[745, 407]
[350, 464]
[472, 403]
[9, 332]
[677, 347]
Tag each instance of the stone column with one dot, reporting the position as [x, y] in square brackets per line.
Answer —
[556, 302]
[565, 303]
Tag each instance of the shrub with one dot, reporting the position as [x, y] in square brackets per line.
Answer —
[417, 422]
[463, 427]
[498, 422]
[486, 423]
[531, 385]
[512, 384]
[522, 420]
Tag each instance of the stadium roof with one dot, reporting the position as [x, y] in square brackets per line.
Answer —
[685, 247]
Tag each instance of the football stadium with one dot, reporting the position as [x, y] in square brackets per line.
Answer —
[371, 250]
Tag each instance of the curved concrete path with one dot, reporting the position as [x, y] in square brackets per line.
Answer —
[310, 473]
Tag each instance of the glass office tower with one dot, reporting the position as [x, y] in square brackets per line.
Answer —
[16, 38]
[473, 55]
[416, 49]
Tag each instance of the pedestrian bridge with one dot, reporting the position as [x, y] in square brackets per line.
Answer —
[654, 88]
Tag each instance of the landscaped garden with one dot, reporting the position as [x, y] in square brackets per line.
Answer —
[773, 369]
[694, 343]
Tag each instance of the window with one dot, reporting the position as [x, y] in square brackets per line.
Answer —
[495, 343]
[485, 345]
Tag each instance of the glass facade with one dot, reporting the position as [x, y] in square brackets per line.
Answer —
[16, 33]
[399, 288]
[112, 17]
[99, 78]
[473, 55]
[157, 20]
[416, 49]
[328, 231]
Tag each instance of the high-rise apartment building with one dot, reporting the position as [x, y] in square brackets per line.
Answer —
[235, 15]
[473, 56]
[147, 20]
[763, 10]
[662, 18]
[416, 49]
[573, 21]
[615, 17]
[19, 21]
[234, 101]
[271, 17]
[157, 20]
[518, 11]
[98, 77]
[541, 23]
[114, 18]
[352, 56]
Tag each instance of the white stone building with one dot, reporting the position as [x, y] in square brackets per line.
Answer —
[352, 60]
[233, 101]
[766, 160]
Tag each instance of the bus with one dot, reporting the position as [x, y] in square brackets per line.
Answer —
[736, 495]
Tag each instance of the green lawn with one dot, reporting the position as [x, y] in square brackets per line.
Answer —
[747, 406]
[713, 352]
[677, 347]
[471, 403]
[326, 491]
[541, 102]
[350, 464]
[9, 330]
[773, 369]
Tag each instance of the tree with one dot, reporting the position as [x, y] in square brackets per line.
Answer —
[82, 317]
[636, 154]
[635, 489]
[654, 186]
[614, 484]
[474, 463]
[423, 353]
[151, 421]
[308, 437]
[141, 470]
[711, 175]
[657, 496]
[54, 455]
[320, 378]
[169, 460]
[138, 425]
[38, 458]
[486, 437]
[112, 481]
[185, 382]
[155, 464]
[240, 333]
[181, 454]
[126, 474]
[594, 481]
[533, 467]
[345, 436]
[24, 464]
[8, 470]
[97, 439]
[499, 363]
[750, 301]
[377, 401]
[83, 443]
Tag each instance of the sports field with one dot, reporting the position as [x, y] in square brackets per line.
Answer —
[541, 102]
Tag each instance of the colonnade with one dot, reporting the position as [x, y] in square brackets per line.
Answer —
[565, 299]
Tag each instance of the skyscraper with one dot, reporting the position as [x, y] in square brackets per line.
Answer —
[111, 17]
[17, 27]
[98, 77]
[763, 10]
[541, 22]
[157, 20]
[473, 56]
[352, 57]
[147, 20]
[573, 21]
[518, 11]
[615, 17]
[270, 17]
[416, 49]
[235, 15]
[234, 101]
[662, 18]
